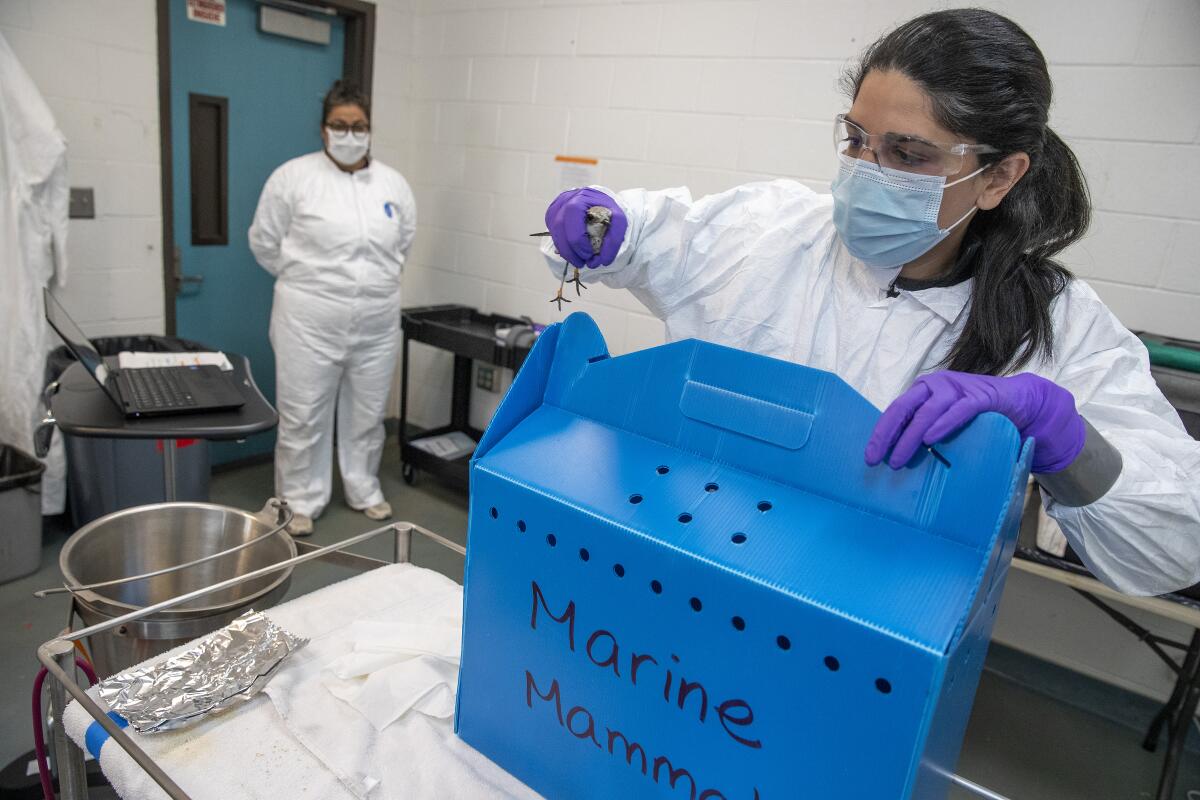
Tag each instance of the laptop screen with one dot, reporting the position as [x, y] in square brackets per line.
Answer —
[78, 342]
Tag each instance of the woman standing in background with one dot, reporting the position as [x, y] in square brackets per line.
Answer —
[334, 228]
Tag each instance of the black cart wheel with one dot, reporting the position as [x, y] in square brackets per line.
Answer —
[409, 473]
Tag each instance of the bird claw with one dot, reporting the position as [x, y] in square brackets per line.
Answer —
[558, 298]
[578, 281]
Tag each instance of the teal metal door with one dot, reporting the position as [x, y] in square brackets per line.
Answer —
[273, 87]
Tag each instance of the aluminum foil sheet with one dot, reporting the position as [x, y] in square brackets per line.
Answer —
[226, 667]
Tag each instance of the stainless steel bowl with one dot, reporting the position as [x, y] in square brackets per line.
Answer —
[148, 538]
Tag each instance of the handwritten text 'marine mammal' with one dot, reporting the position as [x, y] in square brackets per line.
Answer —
[661, 680]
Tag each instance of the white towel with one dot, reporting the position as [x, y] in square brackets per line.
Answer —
[365, 752]
[398, 667]
[243, 754]
[440, 636]
[300, 740]
[424, 685]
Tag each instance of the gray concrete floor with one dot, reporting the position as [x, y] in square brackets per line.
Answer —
[1022, 742]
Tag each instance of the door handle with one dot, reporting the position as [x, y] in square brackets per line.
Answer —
[177, 270]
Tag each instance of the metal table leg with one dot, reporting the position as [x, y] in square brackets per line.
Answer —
[402, 554]
[1181, 720]
[1165, 714]
[1177, 713]
[168, 448]
[403, 398]
[460, 393]
[68, 758]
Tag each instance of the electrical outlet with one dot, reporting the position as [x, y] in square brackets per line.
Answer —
[485, 378]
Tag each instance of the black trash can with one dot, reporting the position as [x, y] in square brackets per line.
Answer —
[107, 475]
[21, 512]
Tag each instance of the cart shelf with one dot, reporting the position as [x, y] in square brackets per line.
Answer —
[471, 336]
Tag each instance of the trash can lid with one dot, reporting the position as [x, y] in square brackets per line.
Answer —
[18, 468]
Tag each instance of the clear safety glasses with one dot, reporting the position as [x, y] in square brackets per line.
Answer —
[902, 151]
[339, 127]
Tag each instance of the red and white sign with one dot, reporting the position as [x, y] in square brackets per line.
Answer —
[210, 11]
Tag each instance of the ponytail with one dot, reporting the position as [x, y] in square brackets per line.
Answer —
[1016, 277]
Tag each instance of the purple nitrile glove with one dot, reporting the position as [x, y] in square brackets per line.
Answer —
[938, 405]
[566, 219]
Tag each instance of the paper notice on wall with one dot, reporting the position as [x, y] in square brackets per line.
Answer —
[576, 172]
[210, 11]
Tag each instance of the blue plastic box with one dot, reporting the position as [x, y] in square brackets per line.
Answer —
[683, 581]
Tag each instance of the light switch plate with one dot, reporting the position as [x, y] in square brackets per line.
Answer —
[82, 203]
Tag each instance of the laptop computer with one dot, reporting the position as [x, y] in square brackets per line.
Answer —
[149, 391]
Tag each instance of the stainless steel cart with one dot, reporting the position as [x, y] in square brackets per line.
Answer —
[58, 656]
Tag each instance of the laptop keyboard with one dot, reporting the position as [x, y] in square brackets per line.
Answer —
[155, 389]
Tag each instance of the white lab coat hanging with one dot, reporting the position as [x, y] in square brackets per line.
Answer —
[33, 238]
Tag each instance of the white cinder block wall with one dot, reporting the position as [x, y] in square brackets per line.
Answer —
[712, 94]
[95, 62]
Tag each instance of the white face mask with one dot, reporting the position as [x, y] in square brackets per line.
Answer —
[347, 148]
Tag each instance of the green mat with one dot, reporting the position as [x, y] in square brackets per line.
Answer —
[1165, 355]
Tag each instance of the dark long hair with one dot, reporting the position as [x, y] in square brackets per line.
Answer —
[988, 82]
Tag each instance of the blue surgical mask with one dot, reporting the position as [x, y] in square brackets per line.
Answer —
[887, 218]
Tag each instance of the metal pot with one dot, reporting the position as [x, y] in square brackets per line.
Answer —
[148, 538]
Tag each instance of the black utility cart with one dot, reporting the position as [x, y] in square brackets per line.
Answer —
[471, 336]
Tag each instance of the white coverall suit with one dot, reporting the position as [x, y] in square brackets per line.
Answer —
[33, 255]
[336, 242]
[762, 268]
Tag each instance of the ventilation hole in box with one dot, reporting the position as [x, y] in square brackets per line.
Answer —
[656, 587]
[663, 470]
[764, 506]
[711, 487]
[738, 538]
[695, 604]
[832, 664]
[551, 539]
[521, 525]
[784, 642]
[883, 685]
[619, 570]
[739, 623]
[584, 554]
[635, 498]
[685, 518]
[495, 514]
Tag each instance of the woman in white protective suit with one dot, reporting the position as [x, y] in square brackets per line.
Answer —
[334, 228]
[927, 282]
